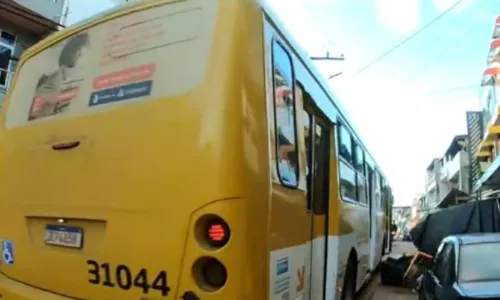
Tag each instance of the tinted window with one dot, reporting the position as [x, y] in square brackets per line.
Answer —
[361, 189]
[359, 162]
[383, 197]
[442, 263]
[345, 144]
[285, 116]
[7, 42]
[378, 191]
[451, 267]
[7, 38]
[347, 181]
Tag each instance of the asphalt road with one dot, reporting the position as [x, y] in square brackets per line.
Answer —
[375, 291]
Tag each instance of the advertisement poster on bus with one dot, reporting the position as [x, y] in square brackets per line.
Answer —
[113, 63]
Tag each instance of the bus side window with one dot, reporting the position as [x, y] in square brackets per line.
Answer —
[284, 109]
[383, 199]
[346, 171]
[359, 162]
[378, 191]
[345, 144]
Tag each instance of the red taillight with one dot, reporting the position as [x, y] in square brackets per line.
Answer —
[216, 232]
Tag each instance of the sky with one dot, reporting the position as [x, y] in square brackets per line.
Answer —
[408, 106]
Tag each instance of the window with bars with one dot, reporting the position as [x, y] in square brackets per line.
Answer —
[7, 44]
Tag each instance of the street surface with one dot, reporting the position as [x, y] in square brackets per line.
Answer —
[375, 291]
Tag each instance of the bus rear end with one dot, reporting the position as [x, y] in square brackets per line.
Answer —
[112, 185]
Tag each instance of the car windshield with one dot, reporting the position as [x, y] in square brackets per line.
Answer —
[478, 262]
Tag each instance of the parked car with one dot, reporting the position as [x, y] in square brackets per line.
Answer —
[464, 267]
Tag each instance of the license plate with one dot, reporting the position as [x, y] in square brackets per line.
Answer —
[64, 236]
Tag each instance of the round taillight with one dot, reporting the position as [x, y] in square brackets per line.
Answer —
[217, 232]
[211, 274]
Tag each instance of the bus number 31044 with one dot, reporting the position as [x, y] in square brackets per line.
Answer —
[121, 276]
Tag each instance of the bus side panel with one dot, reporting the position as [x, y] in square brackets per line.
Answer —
[254, 142]
[348, 229]
[289, 233]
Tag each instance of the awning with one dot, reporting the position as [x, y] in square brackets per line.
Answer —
[26, 19]
[484, 148]
[490, 136]
[492, 131]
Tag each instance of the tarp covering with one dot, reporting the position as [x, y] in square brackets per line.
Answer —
[473, 217]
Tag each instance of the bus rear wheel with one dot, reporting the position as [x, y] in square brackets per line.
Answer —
[349, 288]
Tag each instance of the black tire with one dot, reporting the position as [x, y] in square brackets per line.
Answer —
[349, 288]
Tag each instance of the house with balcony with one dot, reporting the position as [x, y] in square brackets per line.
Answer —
[431, 195]
[447, 177]
[22, 24]
[488, 151]
[486, 146]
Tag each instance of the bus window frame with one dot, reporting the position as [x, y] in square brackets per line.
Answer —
[317, 117]
[360, 172]
[277, 41]
[340, 159]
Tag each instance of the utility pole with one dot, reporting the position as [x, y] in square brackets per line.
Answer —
[328, 57]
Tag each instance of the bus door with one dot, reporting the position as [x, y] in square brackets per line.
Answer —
[317, 138]
[375, 222]
[387, 208]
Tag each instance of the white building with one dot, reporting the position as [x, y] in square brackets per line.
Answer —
[447, 178]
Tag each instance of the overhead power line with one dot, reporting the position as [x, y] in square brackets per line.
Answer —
[407, 39]
[450, 89]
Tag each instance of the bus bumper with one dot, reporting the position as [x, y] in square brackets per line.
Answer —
[13, 290]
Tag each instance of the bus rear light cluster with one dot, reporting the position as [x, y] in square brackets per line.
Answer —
[212, 233]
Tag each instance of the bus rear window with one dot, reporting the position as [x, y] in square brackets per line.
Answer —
[113, 63]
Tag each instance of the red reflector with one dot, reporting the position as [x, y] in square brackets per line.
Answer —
[216, 232]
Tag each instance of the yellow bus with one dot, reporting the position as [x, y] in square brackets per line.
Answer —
[183, 149]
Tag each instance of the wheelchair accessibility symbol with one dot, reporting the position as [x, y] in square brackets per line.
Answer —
[7, 252]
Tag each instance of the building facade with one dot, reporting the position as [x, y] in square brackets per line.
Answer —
[401, 216]
[431, 198]
[22, 24]
[486, 154]
[416, 210]
[447, 178]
